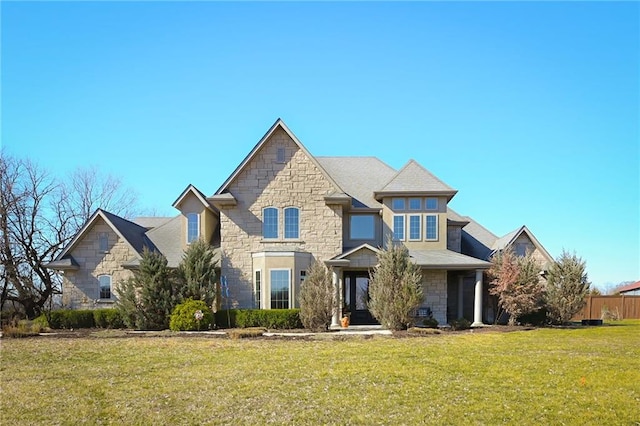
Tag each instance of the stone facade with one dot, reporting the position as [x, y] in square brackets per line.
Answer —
[80, 288]
[454, 238]
[265, 182]
[434, 287]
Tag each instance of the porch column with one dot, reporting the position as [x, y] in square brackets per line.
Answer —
[477, 301]
[460, 297]
[337, 312]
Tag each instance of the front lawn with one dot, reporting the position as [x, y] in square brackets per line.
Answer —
[584, 376]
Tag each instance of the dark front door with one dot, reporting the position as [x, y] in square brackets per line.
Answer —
[356, 297]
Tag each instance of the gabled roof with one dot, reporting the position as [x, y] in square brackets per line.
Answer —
[131, 233]
[358, 177]
[279, 124]
[196, 192]
[348, 253]
[629, 287]
[167, 238]
[476, 240]
[511, 237]
[415, 179]
[151, 222]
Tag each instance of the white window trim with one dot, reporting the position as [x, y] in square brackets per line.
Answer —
[437, 227]
[404, 227]
[198, 226]
[289, 276]
[110, 287]
[420, 219]
[277, 224]
[255, 271]
[426, 206]
[284, 223]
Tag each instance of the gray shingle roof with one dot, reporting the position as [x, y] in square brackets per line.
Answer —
[358, 177]
[151, 222]
[415, 179]
[167, 239]
[446, 259]
[132, 232]
[476, 240]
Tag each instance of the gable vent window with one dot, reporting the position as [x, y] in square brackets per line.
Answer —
[103, 242]
[280, 155]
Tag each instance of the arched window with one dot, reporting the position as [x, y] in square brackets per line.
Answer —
[292, 222]
[270, 222]
[105, 286]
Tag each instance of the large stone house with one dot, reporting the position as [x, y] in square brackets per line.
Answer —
[282, 209]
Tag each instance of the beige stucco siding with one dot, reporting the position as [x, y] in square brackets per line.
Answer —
[387, 217]
[266, 183]
[81, 289]
[207, 220]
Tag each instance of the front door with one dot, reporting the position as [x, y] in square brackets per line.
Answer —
[356, 297]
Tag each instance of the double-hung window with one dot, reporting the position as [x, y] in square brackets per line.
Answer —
[415, 228]
[398, 227]
[431, 227]
[292, 222]
[270, 222]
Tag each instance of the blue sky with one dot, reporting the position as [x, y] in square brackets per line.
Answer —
[529, 109]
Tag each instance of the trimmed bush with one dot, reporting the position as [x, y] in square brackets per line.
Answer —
[67, 318]
[460, 324]
[267, 318]
[430, 322]
[185, 316]
[107, 318]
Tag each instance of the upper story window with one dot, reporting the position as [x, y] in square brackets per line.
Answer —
[398, 227]
[415, 228]
[280, 155]
[415, 203]
[361, 227]
[103, 242]
[193, 227]
[398, 204]
[270, 222]
[431, 227]
[292, 222]
[432, 203]
[105, 286]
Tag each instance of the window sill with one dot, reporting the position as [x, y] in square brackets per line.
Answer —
[281, 241]
[106, 301]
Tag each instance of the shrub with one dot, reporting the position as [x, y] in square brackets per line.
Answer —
[107, 318]
[537, 318]
[41, 321]
[317, 298]
[460, 324]
[68, 319]
[430, 322]
[196, 273]
[267, 318]
[395, 288]
[567, 287]
[185, 316]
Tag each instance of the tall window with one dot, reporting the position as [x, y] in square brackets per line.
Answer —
[103, 242]
[270, 222]
[431, 227]
[193, 227]
[432, 204]
[292, 222]
[361, 227]
[397, 204]
[398, 228]
[105, 286]
[258, 289]
[414, 227]
[280, 284]
[280, 155]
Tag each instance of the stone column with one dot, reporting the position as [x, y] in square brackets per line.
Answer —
[477, 302]
[337, 313]
[460, 296]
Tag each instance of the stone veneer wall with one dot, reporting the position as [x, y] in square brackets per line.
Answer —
[81, 289]
[265, 183]
[537, 254]
[434, 287]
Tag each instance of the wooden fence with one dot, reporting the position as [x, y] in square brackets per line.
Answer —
[622, 307]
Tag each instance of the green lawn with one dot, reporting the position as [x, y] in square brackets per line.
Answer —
[588, 376]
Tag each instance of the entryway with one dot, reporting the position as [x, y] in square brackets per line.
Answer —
[356, 296]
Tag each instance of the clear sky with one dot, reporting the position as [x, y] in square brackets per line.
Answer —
[529, 109]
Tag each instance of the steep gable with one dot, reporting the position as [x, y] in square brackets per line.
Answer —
[415, 179]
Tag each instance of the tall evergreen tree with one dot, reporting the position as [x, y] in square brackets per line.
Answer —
[567, 287]
[317, 298]
[395, 288]
[196, 273]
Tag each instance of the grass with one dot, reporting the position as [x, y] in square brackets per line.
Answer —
[584, 376]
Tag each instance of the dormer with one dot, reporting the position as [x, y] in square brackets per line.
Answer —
[199, 218]
[415, 208]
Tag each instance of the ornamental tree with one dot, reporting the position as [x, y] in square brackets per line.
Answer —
[395, 288]
[516, 282]
[317, 298]
[567, 287]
